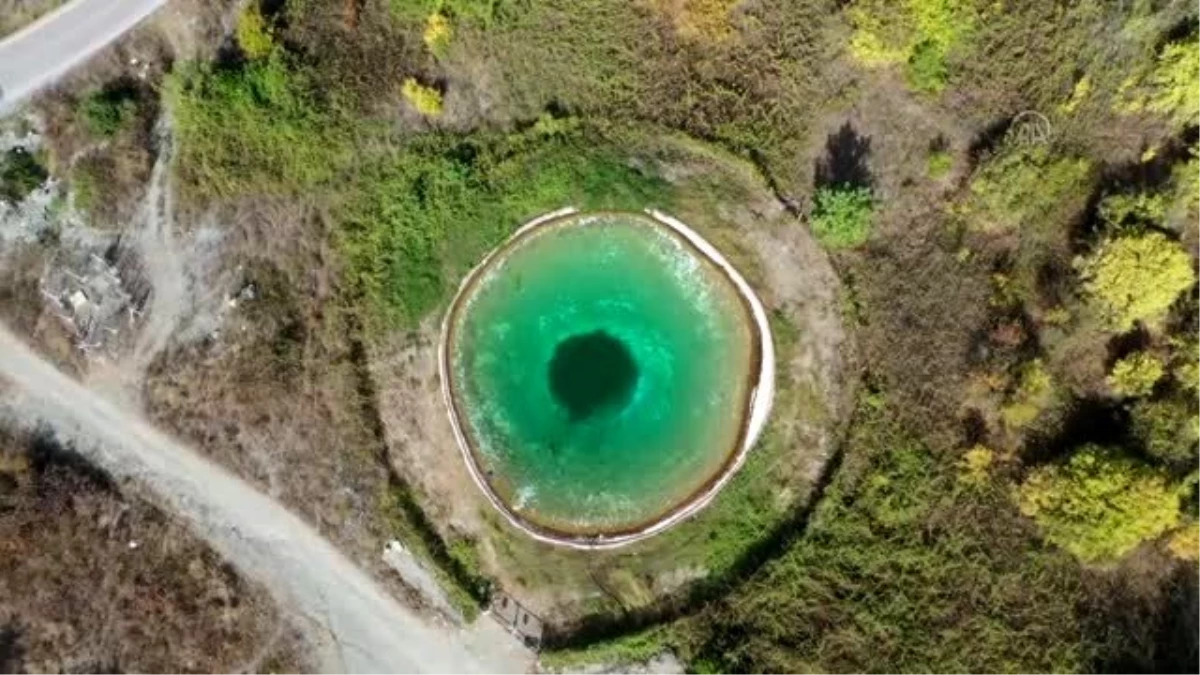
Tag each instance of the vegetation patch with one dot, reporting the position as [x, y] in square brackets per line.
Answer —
[1099, 505]
[20, 174]
[842, 216]
[419, 219]
[258, 128]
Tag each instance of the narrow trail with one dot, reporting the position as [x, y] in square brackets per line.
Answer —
[369, 630]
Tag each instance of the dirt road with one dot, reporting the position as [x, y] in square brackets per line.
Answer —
[367, 631]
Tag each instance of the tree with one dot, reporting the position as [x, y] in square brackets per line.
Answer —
[1136, 278]
[842, 216]
[1168, 430]
[1176, 82]
[1135, 375]
[1099, 504]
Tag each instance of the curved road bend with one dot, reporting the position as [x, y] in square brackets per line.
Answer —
[369, 630]
[39, 53]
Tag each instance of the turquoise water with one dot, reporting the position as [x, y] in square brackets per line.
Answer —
[601, 368]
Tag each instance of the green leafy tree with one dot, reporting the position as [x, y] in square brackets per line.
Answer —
[1168, 430]
[1176, 81]
[1099, 504]
[1136, 375]
[842, 216]
[1136, 278]
[1025, 187]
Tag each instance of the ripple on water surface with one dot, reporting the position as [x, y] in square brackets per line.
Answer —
[601, 369]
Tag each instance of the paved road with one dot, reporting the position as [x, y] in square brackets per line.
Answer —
[36, 55]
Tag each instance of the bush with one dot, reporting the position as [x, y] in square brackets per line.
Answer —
[1185, 544]
[1136, 278]
[106, 112]
[426, 100]
[20, 174]
[253, 33]
[261, 128]
[438, 32]
[1136, 375]
[939, 164]
[1176, 80]
[1122, 211]
[975, 467]
[1099, 505]
[918, 33]
[842, 216]
[1033, 393]
[1025, 187]
[1168, 430]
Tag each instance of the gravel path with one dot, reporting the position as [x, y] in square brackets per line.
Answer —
[367, 630]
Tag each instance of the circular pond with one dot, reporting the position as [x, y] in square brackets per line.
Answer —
[605, 374]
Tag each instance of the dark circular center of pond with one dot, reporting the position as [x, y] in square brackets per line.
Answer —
[592, 372]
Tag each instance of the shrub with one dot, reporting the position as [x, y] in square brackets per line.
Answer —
[253, 33]
[1135, 375]
[20, 174]
[918, 33]
[1168, 430]
[1099, 504]
[1185, 544]
[438, 32]
[261, 128]
[1136, 278]
[1024, 187]
[1133, 210]
[1033, 393]
[1176, 80]
[975, 467]
[842, 216]
[939, 163]
[107, 111]
[426, 100]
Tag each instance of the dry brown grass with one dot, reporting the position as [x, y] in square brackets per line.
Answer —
[15, 14]
[95, 580]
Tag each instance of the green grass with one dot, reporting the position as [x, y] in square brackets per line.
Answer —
[454, 565]
[258, 128]
[902, 568]
[418, 219]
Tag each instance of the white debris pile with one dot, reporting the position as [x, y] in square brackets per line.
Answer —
[96, 296]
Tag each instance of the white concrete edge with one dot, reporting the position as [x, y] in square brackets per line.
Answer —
[762, 395]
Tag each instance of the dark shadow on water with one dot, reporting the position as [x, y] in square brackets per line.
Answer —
[592, 372]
